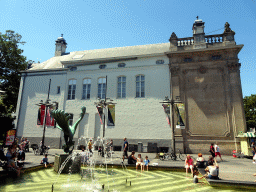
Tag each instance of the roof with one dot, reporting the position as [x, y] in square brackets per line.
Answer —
[99, 54]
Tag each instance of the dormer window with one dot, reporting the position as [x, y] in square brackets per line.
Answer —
[160, 62]
[73, 68]
[102, 66]
[121, 64]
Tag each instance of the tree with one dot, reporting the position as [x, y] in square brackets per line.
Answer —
[250, 111]
[11, 63]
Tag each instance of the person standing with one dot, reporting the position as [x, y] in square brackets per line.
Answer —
[90, 145]
[217, 151]
[125, 148]
[253, 151]
[212, 150]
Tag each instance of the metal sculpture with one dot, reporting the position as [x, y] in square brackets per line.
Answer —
[62, 120]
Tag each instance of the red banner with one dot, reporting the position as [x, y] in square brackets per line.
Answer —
[100, 112]
[10, 137]
[41, 114]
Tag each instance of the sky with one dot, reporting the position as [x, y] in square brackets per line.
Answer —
[100, 24]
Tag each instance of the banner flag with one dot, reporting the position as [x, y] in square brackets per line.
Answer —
[49, 118]
[167, 112]
[180, 110]
[100, 112]
[111, 115]
[40, 115]
[10, 136]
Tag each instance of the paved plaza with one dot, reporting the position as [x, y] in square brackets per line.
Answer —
[231, 169]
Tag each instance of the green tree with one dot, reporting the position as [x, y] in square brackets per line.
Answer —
[11, 63]
[250, 111]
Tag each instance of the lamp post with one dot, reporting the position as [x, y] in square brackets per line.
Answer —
[47, 104]
[172, 102]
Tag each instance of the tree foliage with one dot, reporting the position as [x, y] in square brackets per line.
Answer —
[11, 63]
[250, 111]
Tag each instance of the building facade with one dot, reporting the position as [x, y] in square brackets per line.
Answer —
[202, 71]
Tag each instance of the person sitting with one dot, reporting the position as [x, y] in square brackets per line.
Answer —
[139, 162]
[195, 176]
[45, 161]
[189, 164]
[21, 158]
[12, 167]
[200, 161]
[212, 170]
[146, 162]
[132, 159]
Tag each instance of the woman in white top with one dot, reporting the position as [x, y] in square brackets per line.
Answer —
[213, 170]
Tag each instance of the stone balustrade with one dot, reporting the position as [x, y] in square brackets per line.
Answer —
[214, 38]
[185, 41]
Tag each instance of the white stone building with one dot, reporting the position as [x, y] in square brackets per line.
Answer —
[203, 71]
[138, 114]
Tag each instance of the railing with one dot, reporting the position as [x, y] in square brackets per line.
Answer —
[208, 39]
[185, 41]
[214, 38]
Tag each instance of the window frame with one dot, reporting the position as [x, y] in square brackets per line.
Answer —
[121, 83]
[102, 88]
[88, 87]
[73, 90]
[140, 86]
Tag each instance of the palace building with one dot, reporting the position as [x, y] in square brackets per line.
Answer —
[202, 72]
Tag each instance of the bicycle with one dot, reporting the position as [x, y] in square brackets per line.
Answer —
[180, 155]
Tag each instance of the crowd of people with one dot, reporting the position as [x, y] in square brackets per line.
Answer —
[15, 155]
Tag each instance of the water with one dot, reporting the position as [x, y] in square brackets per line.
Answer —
[113, 179]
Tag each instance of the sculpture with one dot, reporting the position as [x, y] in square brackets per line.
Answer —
[62, 120]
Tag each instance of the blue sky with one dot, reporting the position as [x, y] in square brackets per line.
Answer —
[101, 24]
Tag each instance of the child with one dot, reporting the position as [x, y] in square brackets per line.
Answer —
[146, 162]
[195, 176]
[139, 162]
[189, 164]
[45, 161]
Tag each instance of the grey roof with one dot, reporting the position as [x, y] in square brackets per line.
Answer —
[100, 54]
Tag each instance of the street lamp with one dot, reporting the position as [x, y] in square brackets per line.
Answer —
[172, 102]
[47, 104]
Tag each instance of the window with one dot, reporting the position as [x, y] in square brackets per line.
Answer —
[160, 62]
[121, 87]
[188, 59]
[71, 89]
[102, 87]
[58, 89]
[121, 65]
[86, 89]
[70, 121]
[102, 66]
[216, 57]
[140, 86]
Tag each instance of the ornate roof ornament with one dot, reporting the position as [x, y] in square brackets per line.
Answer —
[227, 28]
[173, 36]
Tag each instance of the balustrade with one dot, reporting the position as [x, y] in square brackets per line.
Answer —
[214, 38]
[185, 41]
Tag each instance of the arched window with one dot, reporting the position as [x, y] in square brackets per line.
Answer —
[71, 89]
[102, 87]
[86, 89]
[121, 87]
[140, 86]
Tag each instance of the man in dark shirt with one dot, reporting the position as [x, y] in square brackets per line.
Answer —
[125, 148]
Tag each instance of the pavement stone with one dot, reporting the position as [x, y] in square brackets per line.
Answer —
[232, 169]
